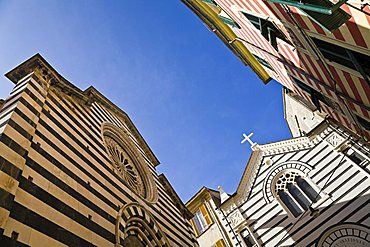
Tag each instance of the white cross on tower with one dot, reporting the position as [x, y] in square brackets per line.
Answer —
[248, 138]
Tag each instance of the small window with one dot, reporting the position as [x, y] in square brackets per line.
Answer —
[355, 155]
[348, 58]
[294, 192]
[247, 239]
[201, 220]
[264, 62]
[316, 97]
[267, 29]
[209, 2]
[14, 235]
[364, 123]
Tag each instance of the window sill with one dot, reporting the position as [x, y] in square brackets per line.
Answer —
[205, 229]
[324, 198]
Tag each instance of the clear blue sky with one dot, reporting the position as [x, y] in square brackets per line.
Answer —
[188, 95]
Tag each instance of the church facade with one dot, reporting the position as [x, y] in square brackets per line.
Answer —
[311, 190]
[75, 171]
[306, 191]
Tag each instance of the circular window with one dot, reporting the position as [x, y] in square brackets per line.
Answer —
[128, 163]
[124, 166]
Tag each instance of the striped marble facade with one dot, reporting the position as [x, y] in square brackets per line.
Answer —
[57, 183]
[331, 159]
[345, 89]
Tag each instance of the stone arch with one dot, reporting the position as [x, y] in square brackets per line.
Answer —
[134, 221]
[125, 155]
[345, 234]
[297, 166]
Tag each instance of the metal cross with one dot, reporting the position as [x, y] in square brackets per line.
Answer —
[248, 138]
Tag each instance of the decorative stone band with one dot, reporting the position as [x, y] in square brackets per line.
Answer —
[295, 144]
[347, 234]
[134, 221]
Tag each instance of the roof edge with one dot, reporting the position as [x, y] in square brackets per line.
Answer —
[225, 33]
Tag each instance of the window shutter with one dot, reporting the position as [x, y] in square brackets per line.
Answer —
[194, 228]
[229, 21]
[205, 214]
[209, 2]
[328, 22]
[315, 9]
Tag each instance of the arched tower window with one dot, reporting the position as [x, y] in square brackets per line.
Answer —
[295, 191]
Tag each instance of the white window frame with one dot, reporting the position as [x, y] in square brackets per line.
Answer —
[314, 205]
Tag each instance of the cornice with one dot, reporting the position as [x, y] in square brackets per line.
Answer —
[198, 199]
[255, 161]
[48, 75]
[294, 144]
[249, 175]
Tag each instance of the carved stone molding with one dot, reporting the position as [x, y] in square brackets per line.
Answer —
[295, 144]
[347, 234]
[235, 218]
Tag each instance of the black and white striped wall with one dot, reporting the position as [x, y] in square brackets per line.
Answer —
[333, 160]
[57, 185]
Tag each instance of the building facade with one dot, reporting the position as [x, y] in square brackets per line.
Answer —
[306, 191]
[208, 223]
[316, 49]
[76, 172]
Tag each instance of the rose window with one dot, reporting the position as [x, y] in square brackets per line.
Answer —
[284, 180]
[125, 167]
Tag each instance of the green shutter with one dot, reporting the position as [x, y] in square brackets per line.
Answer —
[328, 22]
[209, 2]
[328, 15]
[264, 62]
[229, 21]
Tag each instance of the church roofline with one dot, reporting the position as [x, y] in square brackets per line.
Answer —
[175, 197]
[250, 172]
[88, 96]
